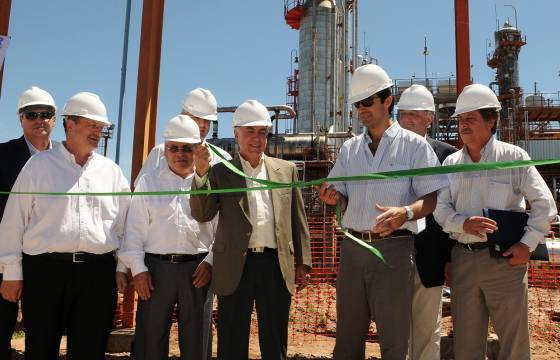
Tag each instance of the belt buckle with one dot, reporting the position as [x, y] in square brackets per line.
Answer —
[173, 259]
[75, 259]
[259, 249]
[469, 247]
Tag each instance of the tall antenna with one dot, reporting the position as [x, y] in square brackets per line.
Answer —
[497, 21]
[426, 53]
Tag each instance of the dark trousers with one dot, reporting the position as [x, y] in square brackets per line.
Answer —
[172, 286]
[261, 283]
[8, 317]
[77, 297]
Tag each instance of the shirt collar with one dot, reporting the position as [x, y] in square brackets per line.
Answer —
[487, 148]
[32, 149]
[70, 157]
[391, 131]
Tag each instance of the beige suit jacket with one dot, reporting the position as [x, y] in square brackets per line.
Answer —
[234, 225]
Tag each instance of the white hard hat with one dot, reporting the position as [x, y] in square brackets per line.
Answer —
[35, 96]
[87, 105]
[201, 103]
[368, 80]
[182, 128]
[416, 97]
[251, 113]
[474, 97]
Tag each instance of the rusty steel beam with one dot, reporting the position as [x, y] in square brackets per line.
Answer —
[462, 45]
[148, 83]
[146, 107]
[5, 9]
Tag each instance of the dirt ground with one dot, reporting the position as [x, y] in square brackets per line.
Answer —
[313, 325]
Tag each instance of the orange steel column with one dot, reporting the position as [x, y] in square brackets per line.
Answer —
[146, 106]
[5, 9]
[462, 47]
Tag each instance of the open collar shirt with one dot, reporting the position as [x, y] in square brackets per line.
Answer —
[261, 210]
[163, 224]
[470, 192]
[38, 224]
[399, 149]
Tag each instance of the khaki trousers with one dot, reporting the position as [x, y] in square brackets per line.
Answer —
[426, 321]
[483, 287]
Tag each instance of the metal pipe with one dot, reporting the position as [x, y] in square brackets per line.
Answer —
[123, 80]
[276, 113]
[515, 11]
[462, 46]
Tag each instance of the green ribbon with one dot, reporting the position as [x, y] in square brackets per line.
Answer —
[271, 185]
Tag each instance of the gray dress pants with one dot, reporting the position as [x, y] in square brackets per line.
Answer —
[368, 289]
[173, 286]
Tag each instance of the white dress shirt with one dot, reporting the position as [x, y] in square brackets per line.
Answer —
[261, 212]
[469, 192]
[37, 224]
[163, 224]
[399, 149]
[157, 157]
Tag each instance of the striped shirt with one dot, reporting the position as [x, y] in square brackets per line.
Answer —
[399, 149]
[468, 193]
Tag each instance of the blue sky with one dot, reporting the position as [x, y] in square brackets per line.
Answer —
[241, 50]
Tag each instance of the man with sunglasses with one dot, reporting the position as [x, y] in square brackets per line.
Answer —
[36, 110]
[63, 246]
[169, 252]
[382, 213]
[201, 105]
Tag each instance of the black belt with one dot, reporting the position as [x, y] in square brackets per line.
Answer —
[369, 236]
[77, 257]
[261, 250]
[178, 258]
[473, 246]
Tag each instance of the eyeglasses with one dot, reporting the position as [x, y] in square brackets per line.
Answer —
[367, 102]
[33, 115]
[184, 149]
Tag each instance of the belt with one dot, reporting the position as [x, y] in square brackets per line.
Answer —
[178, 258]
[260, 250]
[473, 246]
[369, 236]
[77, 257]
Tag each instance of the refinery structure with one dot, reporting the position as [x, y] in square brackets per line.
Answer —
[317, 118]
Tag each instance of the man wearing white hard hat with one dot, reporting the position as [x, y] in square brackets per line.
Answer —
[60, 249]
[482, 285]
[259, 237]
[169, 252]
[36, 111]
[384, 214]
[201, 105]
[432, 246]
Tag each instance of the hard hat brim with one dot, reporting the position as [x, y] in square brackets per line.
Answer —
[33, 103]
[186, 140]
[256, 123]
[211, 117]
[369, 92]
[473, 108]
[415, 108]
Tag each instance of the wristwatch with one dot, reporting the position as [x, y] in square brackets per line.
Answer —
[409, 213]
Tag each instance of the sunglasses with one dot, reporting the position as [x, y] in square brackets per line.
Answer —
[184, 149]
[367, 102]
[34, 115]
